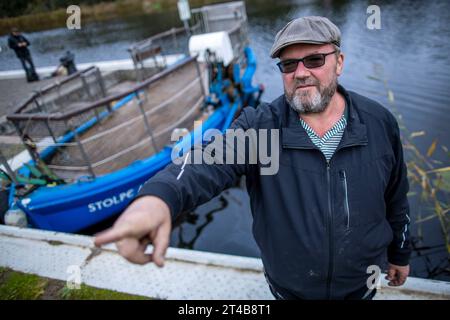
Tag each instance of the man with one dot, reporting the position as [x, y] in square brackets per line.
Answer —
[338, 200]
[20, 44]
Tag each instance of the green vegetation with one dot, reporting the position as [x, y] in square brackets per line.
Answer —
[14, 285]
[25, 7]
[39, 15]
[89, 293]
[20, 286]
[429, 178]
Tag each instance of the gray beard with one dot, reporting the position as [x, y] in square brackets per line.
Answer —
[318, 103]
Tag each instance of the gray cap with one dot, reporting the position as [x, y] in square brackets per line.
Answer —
[314, 29]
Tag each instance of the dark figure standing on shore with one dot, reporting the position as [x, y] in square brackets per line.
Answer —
[20, 44]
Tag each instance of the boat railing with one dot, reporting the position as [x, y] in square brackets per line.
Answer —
[58, 115]
[172, 41]
[67, 128]
[230, 17]
[89, 80]
[155, 48]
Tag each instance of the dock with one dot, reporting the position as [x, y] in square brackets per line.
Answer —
[187, 274]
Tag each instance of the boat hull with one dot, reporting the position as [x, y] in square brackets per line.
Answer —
[73, 207]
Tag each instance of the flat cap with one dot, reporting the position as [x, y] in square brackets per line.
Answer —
[313, 29]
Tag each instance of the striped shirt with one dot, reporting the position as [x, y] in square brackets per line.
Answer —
[329, 142]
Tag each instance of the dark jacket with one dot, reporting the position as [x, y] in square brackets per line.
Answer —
[319, 225]
[13, 43]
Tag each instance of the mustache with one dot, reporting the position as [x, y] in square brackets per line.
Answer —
[306, 82]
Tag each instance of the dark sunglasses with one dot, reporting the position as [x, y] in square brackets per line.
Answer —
[312, 61]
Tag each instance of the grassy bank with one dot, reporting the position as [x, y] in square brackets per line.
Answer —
[45, 20]
[20, 286]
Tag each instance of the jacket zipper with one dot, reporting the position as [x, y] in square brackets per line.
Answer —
[347, 210]
[330, 215]
[330, 235]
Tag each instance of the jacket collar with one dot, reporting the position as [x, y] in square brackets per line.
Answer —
[293, 135]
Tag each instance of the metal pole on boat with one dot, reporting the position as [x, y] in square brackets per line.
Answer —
[5, 164]
[85, 86]
[133, 54]
[88, 92]
[47, 121]
[80, 145]
[147, 125]
[99, 77]
[185, 15]
[205, 20]
[22, 138]
[174, 38]
[200, 78]
[58, 86]
[186, 27]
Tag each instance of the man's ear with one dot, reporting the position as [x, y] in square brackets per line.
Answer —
[340, 64]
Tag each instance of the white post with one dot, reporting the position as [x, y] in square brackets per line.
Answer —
[185, 14]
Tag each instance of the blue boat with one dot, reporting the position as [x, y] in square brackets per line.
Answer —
[95, 155]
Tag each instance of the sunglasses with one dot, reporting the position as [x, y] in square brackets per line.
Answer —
[310, 62]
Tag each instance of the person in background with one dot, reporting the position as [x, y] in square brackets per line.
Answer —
[20, 44]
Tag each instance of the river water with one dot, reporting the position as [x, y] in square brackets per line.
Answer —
[409, 54]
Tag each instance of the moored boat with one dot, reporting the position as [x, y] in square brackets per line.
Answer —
[92, 146]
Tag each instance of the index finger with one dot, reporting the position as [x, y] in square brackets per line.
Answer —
[112, 234]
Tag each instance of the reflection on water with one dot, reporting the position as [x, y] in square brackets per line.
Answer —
[410, 52]
[222, 225]
[192, 219]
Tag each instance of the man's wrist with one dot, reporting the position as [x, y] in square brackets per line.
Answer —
[165, 192]
[399, 259]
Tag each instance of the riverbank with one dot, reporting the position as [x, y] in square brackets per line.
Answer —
[102, 11]
[16, 285]
[187, 274]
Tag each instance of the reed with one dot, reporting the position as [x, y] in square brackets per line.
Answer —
[429, 178]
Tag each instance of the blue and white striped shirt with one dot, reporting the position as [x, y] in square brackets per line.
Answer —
[329, 142]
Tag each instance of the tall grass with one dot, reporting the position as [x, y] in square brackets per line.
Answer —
[429, 178]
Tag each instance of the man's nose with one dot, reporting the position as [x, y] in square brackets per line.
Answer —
[301, 71]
